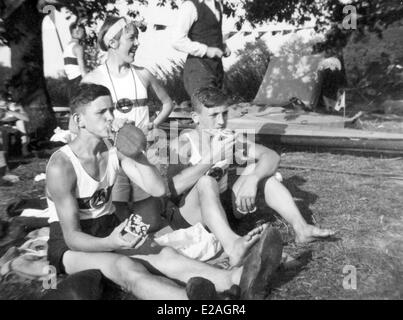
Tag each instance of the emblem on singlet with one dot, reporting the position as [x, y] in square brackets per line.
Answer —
[97, 200]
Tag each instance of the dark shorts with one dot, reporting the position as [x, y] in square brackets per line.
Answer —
[202, 72]
[100, 227]
[176, 221]
[157, 212]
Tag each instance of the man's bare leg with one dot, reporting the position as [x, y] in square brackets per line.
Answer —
[279, 199]
[125, 272]
[203, 204]
[176, 266]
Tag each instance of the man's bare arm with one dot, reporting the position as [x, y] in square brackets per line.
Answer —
[267, 159]
[61, 183]
[184, 177]
[144, 174]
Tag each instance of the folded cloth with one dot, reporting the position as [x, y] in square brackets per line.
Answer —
[40, 177]
[42, 232]
[26, 266]
[194, 242]
[29, 261]
[61, 135]
[11, 178]
[37, 213]
[15, 207]
[36, 246]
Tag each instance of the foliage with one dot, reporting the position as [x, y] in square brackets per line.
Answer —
[4, 74]
[381, 79]
[243, 79]
[173, 82]
[58, 91]
[372, 16]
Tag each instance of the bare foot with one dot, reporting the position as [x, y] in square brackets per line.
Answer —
[312, 233]
[241, 246]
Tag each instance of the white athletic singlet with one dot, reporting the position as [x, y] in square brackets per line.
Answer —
[129, 88]
[195, 158]
[93, 197]
[70, 62]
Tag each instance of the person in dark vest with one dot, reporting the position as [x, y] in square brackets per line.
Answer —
[73, 56]
[198, 32]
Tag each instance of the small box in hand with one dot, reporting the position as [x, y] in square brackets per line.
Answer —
[134, 228]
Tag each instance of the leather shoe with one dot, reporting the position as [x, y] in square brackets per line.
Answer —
[260, 265]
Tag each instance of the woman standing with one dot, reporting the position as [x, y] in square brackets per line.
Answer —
[73, 56]
[128, 86]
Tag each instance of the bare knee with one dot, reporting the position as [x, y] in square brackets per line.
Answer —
[128, 271]
[207, 183]
[271, 182]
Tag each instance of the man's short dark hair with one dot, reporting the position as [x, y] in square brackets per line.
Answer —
[209, 97]
[85, 93]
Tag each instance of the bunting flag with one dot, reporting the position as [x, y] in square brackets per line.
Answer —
[341, 102]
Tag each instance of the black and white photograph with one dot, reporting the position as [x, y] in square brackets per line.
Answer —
[218, 151]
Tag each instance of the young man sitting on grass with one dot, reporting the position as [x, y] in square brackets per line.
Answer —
[198, 180]
[85, 233]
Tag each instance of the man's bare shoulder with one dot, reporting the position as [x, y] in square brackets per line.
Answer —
[60, 170]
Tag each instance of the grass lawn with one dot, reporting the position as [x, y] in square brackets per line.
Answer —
[365, 210]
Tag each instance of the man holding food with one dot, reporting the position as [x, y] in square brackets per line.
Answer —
[86, 234]
[198, 183]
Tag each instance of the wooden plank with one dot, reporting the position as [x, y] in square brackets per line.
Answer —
[267, 128]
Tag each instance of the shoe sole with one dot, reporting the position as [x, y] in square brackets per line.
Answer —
[198, 288]
[261, 264]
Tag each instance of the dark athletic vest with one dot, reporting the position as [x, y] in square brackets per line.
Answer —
[207, 29]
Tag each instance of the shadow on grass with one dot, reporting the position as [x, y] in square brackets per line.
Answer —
[303, 198]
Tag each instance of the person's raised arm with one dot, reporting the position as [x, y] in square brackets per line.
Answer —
[181, 175]
[61, 185]
[184, 179]
[143, 173]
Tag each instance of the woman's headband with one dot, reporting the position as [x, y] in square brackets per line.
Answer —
[114, 29]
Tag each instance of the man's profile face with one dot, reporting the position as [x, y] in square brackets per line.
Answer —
[98, 116]
[212, 119]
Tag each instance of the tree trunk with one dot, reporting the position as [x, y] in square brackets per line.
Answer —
[27, 85]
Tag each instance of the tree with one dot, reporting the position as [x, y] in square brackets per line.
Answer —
[21, 30]
[371, 16]
[21, 21]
